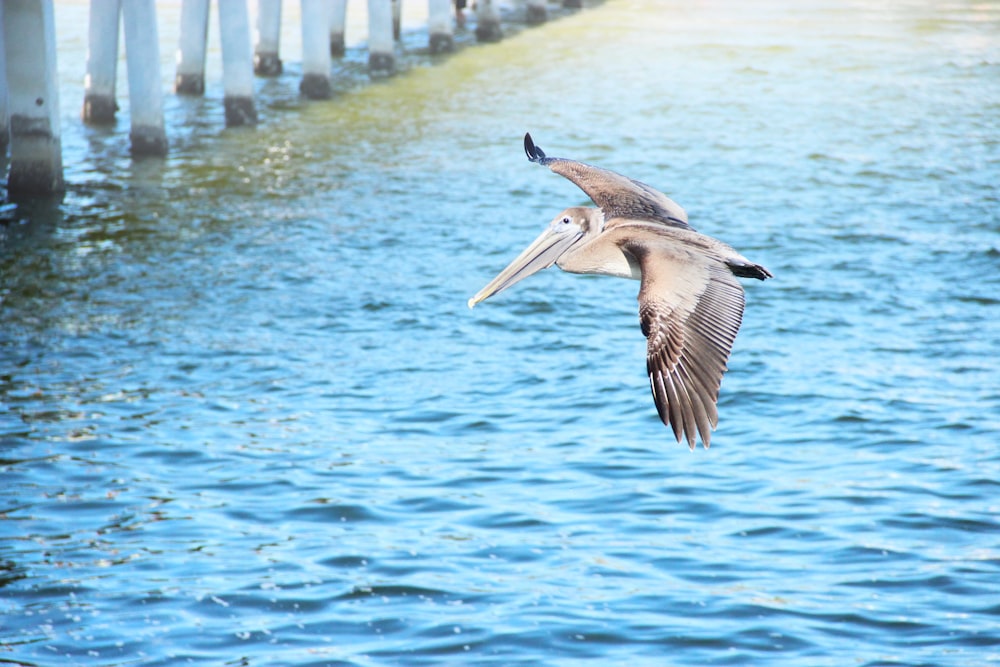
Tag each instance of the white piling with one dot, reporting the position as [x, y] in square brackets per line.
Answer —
[191, 52]
[439, 26]
[142, 51]
[381, 45]
[338, 22]
[266, 61]
[237, 63]
[99, 105]
[536, 12]
[488, 21]
[4, 109]
[29, 40]
[316, 50]
[397, 19]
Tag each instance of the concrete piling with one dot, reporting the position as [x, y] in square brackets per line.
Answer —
[316, 50]
[190, 78]
[29, 41]
[338, 22]
[488, 21]
[381, 44]
[4, 108]
[237, 56]
[99, 105]
[536, 12]
[266, 61]
[237, 63]
[439, 26]
[142, 50]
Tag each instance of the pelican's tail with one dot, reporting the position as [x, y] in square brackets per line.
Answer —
[748, 270]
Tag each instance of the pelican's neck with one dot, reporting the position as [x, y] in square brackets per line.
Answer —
[597, 254]
[594, 222]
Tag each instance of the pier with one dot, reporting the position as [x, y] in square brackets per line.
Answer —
[250, 46]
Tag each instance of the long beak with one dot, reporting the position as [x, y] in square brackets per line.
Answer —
[541, 254]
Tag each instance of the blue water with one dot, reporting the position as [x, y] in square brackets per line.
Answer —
[246, 417]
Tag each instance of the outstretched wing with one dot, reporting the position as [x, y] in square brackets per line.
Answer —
[690, 308]
[618, 196]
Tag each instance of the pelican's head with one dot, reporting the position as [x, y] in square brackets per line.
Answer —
[564, 232]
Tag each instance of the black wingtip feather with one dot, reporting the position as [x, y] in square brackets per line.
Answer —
[534, 153]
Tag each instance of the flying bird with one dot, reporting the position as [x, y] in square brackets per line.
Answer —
[690, 303]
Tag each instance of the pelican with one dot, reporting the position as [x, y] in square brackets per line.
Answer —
[690, 303]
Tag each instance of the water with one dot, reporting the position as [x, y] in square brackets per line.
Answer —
[248, 419]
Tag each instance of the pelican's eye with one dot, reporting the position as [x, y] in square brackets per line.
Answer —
[566, 220]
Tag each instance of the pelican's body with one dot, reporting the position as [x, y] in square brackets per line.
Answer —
[690, 303]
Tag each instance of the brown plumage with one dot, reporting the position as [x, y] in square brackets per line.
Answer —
[690, 303]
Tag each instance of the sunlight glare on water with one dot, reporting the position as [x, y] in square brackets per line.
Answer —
[247, 418]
